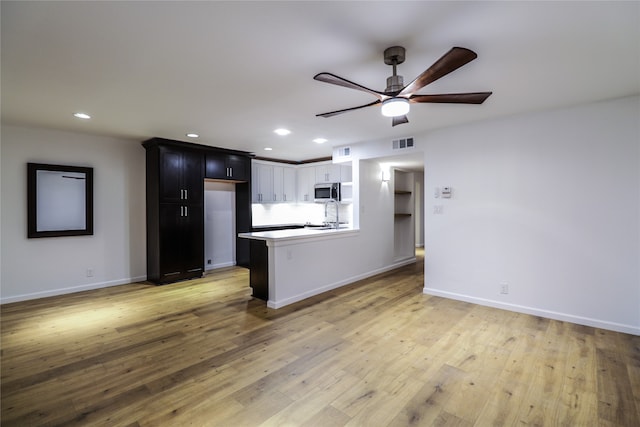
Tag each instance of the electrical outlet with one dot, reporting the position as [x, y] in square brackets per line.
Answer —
[89, 272]
[504, 288]
[209, 262]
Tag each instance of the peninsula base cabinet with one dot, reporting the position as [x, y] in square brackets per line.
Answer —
[259, 270]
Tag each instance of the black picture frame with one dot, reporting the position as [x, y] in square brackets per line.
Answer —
[58, 204]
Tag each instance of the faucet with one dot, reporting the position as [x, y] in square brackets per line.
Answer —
[326, 204]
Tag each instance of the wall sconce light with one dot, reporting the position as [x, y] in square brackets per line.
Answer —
[386, 175]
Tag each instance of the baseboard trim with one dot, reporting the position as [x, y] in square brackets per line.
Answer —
[290, 300]
[71, 290]
[220, 265]
[596, 323]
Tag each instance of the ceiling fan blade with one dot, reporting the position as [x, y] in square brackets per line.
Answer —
[335, 113]
[398, 120]
[336, 80]
[453, 98]
[450, 61]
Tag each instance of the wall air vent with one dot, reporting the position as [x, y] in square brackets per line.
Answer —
[398, 144]
[344, 151]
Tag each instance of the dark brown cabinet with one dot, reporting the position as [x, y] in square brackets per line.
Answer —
[227, 166]
[180, 176]
[181, 241]
[259, 270]
[175, 205]
[175, 212]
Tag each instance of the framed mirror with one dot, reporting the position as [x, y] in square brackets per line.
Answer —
[59, 200]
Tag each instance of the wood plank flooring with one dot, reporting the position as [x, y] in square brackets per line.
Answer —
[374, 353]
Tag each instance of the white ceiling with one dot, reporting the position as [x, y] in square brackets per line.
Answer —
[234, 71]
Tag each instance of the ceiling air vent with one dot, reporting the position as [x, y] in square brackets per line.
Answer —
[398, 144]
[344, 151]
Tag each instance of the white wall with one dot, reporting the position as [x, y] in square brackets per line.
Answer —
[343, 259]
[116, 253]
[550, 204]
[419, 209]
[219, 225]
[297, 213]
[376, 207]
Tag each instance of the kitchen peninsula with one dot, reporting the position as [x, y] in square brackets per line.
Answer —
[294, 264]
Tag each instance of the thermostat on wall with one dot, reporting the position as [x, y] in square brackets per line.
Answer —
[446, 192]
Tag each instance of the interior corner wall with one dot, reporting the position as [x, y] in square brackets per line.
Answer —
[115, 253]
[547, 204]
[419, 208]
[219, 225]
[375, 207]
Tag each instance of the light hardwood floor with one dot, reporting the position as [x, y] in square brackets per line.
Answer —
[375, 353]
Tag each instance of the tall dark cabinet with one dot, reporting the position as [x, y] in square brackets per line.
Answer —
[175, 205]
[175, 212]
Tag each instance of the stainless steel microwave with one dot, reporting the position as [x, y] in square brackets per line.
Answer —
[324, 192]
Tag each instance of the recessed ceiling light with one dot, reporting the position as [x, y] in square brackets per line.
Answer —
[282, 132]
[268, 148]
[320, 140]
[84, 116]
[193, 135]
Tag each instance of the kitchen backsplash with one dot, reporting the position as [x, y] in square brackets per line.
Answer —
[290, 213]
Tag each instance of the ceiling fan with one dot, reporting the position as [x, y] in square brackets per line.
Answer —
[396, 98]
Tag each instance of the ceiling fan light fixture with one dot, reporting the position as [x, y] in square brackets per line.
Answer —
[394, 107]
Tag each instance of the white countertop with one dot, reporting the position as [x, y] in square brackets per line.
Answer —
[298, 234]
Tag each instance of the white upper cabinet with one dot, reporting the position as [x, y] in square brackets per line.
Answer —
[272, 182]
[261, 182]
[330, 172]
[327, 173]
[284, 183]
[278, 182]
[289, 184]
[306, 181]
[346, 173]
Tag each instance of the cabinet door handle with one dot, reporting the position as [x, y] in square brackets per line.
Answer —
[181, 211]
[186, 211]
[186, 194]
